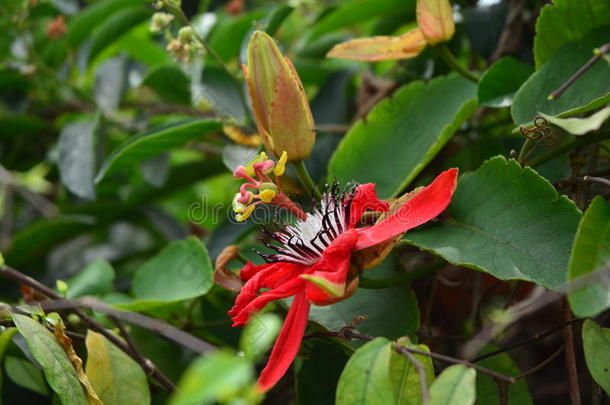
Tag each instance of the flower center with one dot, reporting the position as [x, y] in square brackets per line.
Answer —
[304, 241]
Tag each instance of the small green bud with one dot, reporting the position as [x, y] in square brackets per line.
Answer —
[188, 37]
[160, 21]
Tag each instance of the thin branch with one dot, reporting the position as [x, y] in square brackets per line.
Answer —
[149, 367]
[333, 128]
[599, 180]
[568, 334]
[537, 336]
[421, 371]
[599, 54]
[135, 352]
[160, 328]
[347, 333]
[542, 364]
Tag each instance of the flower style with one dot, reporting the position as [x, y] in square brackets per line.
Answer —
[312, 259]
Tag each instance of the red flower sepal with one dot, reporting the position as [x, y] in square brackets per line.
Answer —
[313, 259]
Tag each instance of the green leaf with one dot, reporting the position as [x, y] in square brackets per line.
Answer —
[181, 271]
[358, 11]
[365, 378]
[155, 142]
[229, 33]
[96, 278]
[220, 93]
[259, 334]
[6, 337]
[57, 368]
[139, 44]
[508, 221]
[170, 83]
[590, 260]
[402, 134]
[219, 375]
[110, 84]
[590, 91]
[596, 343]
[318, 372]
[85, 22]
[487, 388]
[580, 126]
[405, 377]
[501, 81]
[25, 374]
[33, 242]
[116, 378]
[455, 386]
[76, 148]
[276, 18]
[565, 21]
[114, 27]
[391, 312]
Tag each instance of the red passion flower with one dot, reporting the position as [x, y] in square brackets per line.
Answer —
[313, 256]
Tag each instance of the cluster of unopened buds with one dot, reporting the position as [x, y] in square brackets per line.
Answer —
[262, 185]
[187, 40]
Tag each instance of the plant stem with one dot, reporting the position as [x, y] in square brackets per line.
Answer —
[453, 63]
[374, 284]
[568, 334]
[599, 180]
[184, 19]
[599, 54]
[577, 143]
[542, 364]
[306, 180]
[348, 333]
[537, 336]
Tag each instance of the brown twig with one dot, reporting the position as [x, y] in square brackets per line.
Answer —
[542, 364]
[348, 334]
[421, 371]
[568, 334]
[149, 367]
[599, 54]
[135, 352]
[537, 336]
[160, 328]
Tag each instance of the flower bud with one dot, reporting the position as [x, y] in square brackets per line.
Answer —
[435, 20]
[160, 21]
[187, 36]
[279, 103]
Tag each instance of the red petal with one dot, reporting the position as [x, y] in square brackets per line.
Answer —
[241, 314]
[332, 268]
[287, 344]
[427, 204]
[365, 199]
[249, 270]
[267, 276]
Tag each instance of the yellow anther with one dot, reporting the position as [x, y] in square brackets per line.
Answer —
[280, 166]
[267, 196]
[246, 213]
[249, 167]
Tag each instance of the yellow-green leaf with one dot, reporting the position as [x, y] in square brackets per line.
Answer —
[117, 379]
